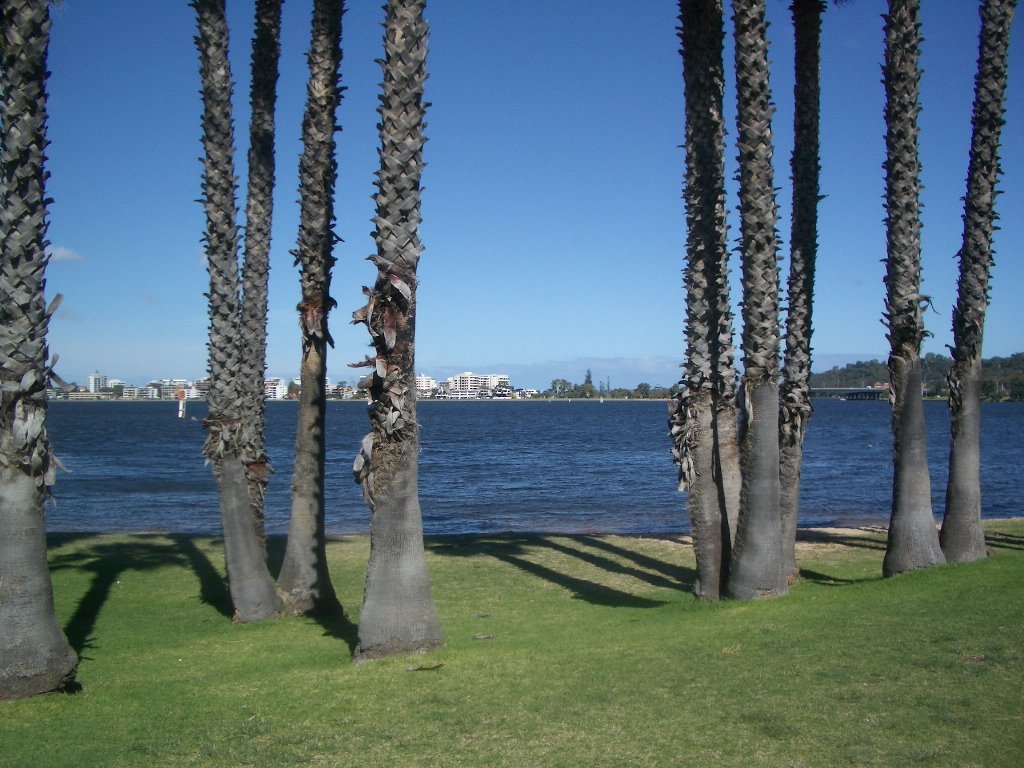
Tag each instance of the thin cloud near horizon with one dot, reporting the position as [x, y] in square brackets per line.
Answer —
[63, 253]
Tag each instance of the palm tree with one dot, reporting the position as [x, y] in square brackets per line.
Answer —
[398, 613]
[259, 210]
[913, 541]
[693, 412]
[252, 590]
[34, 653]
[962, 537]
[304, 577]
[794, 395]
[756, 568]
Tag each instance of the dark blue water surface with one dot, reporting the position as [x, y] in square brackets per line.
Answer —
[485, 467]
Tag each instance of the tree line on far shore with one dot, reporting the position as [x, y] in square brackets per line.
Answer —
[1002, 378]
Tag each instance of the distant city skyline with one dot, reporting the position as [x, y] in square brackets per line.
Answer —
[552, 213]
[535, 376]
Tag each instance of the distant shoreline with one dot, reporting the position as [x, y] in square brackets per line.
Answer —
[806, 535]
[360, 401]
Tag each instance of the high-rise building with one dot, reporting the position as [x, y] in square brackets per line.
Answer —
[97, 381]
[425, 385]
[275, 389]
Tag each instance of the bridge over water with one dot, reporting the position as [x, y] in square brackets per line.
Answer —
[850, 393]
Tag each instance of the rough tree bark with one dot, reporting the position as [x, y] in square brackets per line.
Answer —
[913, 540]
[252, 590]
[756, 569]
[304, 576]
[795, 396]
[692, 412]
[962, 537]
[259, 209]
[398, 613]
[34, 654]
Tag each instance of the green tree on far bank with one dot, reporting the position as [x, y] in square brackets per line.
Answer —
[560, 388]
[588, 389]
[998, 375]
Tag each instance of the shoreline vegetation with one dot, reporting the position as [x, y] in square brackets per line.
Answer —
[559, 650]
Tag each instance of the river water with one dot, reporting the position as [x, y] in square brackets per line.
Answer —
[488, 467]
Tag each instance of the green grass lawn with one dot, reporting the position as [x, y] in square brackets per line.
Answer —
[559, 651]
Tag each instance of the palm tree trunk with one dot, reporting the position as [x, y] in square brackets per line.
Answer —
[305, 579]
[962, 537]
[252, 590]
[727, 450]
[913, 540]
[398, 613]
[304, 576]
[756, 568]
[692, 411]
[34, 653]
[795, 397]
[259, 210]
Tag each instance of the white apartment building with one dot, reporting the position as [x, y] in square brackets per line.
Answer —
[425, 385]
[96, 381]
[140, 393]
[275, 389]
[468, 384]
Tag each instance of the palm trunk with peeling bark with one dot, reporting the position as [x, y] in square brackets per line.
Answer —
[693, 412]
[962, 537]
[253, 593]
[756, 569]
[913, 541]
[304, 577]
[795, 398]
[34, 653]
[398, 614]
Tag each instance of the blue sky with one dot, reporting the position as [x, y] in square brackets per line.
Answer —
[553, 220]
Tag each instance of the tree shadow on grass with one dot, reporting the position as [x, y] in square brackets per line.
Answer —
[520, 551]
[335, 624]
[1004, 540]
[213, 587]
[841, 538]
[820, 536]
[673, 575]
[339, 627]
[106, 562]
[63, 538]
[830, 581]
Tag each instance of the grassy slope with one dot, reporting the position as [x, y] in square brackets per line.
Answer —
[560, 652]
